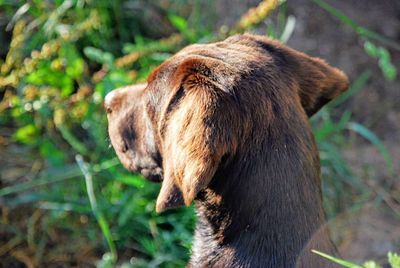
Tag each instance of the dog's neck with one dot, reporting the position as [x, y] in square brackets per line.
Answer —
[264, 213]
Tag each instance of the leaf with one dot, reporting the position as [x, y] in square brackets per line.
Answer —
[178, 22]
[371, 49]
[99, 56]
[371, 264]
[75, 68]
[26, 134]
[383, 54]
[388, 69]
[394, 259]
[46, 76]
[74, 62]
[132, 180]
[329, 127]
[148, 245]
[385, 64]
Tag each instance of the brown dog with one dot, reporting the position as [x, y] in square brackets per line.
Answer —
[226, 124]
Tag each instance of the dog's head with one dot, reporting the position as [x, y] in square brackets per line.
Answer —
[201, 105]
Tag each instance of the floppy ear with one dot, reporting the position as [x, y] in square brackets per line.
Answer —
[319, 82]
[194, 135]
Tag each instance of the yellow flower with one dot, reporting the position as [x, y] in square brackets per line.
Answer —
[255, 15]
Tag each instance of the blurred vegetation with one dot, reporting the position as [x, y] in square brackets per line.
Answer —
[393, 261]
[62, 58]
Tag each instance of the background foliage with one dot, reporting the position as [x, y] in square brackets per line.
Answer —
[62, 58]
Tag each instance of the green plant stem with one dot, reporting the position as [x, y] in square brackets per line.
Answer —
[336, 260]
[72, 140]
[96, 211]
[357, 28]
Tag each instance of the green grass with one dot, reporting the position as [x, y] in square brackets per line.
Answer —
[63, 59]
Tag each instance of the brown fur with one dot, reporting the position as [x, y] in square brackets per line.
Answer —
[226, 124]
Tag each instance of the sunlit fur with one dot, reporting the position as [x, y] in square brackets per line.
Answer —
[226, 124]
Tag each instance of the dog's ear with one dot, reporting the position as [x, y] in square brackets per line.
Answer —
[318, 82]
[194, 133]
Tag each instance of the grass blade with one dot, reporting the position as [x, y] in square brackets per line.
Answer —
[357, 28]
[289, 29]
[72, 140]
[105, 228]
[370, 136]
[336, 260]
